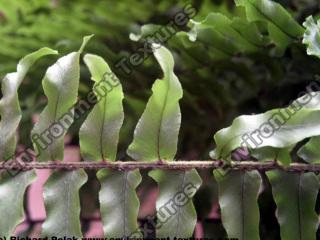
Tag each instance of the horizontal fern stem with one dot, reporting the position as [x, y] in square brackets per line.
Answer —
[173, 165]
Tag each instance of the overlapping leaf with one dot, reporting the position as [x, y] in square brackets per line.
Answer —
[12, 189]
[281, 155]
[61, 197]
[238, 199]
[9, 104]
[310, 152]
[282, 27]
[156, 134]
[61, 87]
[295, 195]
[277, 128]
[176, 216]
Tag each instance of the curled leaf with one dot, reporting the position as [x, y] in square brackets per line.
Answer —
[99, 133]
[60, 85]
[278, 128]
[10, 111]
[156, 134]
[12, 190]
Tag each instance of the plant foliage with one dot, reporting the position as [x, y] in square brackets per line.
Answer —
[265, 31]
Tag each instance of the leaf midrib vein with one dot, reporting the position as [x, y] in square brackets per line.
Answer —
[299, 207]
[161, 117]
[179, 208]
[68, 202]
[55, 110]
[125, 204]
[102, 128]
[242, 204]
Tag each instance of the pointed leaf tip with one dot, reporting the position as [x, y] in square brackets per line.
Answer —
[164, 58]
[85, 41]
[97, 66]
[10, 111]
[156, 134]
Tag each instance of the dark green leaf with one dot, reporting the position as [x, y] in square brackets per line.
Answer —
[295, 195]
[238, 199]
[310, 152]
[282, 27]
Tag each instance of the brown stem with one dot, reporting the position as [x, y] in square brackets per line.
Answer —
[172, 165]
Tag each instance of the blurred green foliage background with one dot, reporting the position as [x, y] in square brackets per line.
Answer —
[216, 89]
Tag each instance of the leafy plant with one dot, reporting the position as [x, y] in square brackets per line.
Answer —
[266, 31]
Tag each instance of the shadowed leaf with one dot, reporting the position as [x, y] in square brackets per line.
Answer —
[282, 27]
[310, 152]
[238, 199]
[61, 197]
[295, 195]
[12, 190]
